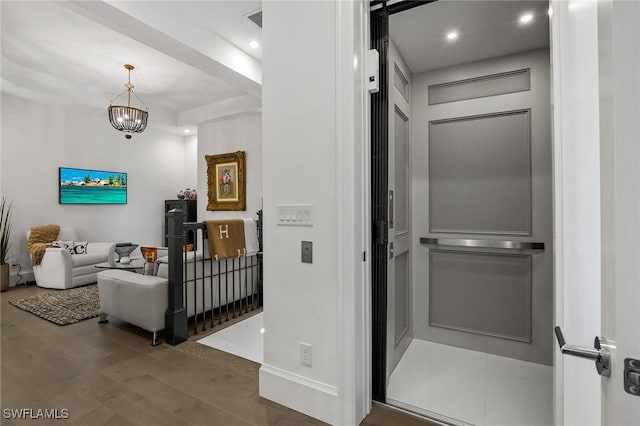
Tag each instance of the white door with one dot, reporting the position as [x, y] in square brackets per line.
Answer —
[596, 51]
[399, 299]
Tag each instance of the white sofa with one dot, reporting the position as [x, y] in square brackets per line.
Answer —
[62, 270]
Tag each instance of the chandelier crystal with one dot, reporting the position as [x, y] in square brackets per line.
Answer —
[127, 118]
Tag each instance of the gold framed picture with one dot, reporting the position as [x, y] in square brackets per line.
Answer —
[226, 181]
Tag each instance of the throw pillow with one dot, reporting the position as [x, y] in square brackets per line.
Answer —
[63, 244]
[80, 247]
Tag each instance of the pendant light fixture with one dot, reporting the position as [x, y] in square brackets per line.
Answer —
[126, 118]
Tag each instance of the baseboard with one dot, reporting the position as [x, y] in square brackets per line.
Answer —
[308, 396]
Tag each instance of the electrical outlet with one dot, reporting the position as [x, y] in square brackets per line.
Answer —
[306, 354]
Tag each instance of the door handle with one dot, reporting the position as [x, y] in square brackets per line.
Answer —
[600, 355]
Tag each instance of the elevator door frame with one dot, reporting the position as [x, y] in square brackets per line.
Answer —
[379, 34]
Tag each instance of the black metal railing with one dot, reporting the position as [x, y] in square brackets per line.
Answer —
[204, 291]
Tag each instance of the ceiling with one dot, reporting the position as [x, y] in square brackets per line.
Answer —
[486, 29]
[193, 60]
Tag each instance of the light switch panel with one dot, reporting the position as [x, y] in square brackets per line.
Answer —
[295, 214]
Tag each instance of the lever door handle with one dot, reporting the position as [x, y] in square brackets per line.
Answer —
[599, 354]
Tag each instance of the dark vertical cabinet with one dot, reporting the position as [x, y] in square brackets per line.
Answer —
[189, 207]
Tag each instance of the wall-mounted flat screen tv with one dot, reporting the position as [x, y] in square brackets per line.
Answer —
[85, 186]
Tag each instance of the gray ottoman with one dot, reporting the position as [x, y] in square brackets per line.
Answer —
[140, 300]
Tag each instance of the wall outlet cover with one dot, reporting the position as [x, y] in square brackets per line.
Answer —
[306, 354]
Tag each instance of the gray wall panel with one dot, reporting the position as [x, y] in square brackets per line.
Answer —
[402, 296]
[400, 82]
[480, 174]
[540, 350]
[480, 87]
[487, 294]
[401, 167]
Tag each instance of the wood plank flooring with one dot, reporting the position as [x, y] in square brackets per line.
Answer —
[109, 375]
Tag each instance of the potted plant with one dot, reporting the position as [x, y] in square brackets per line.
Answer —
[5, 235]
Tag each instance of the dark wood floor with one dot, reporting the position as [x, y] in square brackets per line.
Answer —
[109, 375]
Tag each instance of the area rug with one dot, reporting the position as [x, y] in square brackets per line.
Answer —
[64, 306]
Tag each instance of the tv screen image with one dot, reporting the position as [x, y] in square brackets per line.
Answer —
[86, 186]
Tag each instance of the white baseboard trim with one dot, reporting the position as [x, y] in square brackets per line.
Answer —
[308, 396]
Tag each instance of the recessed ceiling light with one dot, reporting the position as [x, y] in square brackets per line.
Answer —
[526, 18]
[187, 131]
[452, 35]
[254, 44]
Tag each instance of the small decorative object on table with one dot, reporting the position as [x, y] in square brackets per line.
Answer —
[124, 250]
[187, 194]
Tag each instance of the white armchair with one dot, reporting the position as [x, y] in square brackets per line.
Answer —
[60, 269]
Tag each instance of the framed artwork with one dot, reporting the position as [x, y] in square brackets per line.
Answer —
[88, 186]
[226, 182]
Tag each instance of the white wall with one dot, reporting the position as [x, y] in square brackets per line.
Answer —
[38, 138]
[314, 110]
[243, 133]
[299, 166]
[191, 162]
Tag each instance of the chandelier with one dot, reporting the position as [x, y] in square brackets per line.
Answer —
[126, 118]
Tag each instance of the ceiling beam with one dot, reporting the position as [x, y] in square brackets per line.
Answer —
[223, 109]
[225, 62]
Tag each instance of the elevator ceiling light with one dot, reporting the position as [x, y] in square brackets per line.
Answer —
[452, 35]
[526, 18]
[127, 118]
[254, 44]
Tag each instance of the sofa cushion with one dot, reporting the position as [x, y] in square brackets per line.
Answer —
[79, 271]
[63, 244]
[87, 259]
